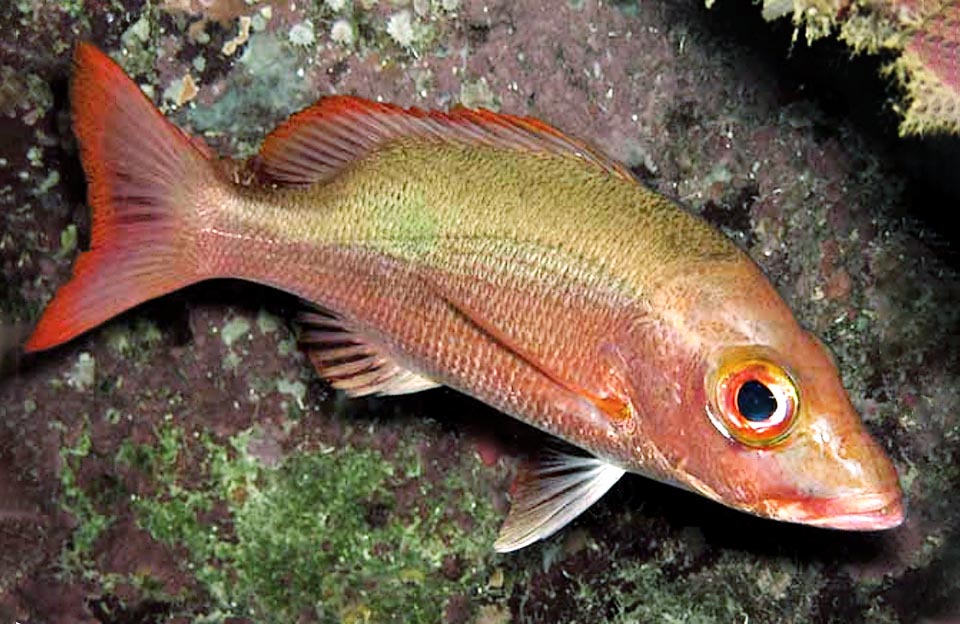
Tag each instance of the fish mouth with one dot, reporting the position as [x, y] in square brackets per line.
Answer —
[874, 511]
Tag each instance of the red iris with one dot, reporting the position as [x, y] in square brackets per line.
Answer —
[756, 402]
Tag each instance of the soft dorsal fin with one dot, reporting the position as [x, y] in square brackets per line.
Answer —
[316, 143]
[352, 363]
[549, 492]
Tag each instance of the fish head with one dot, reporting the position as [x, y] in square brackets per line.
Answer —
[758, 418]
[795, 448]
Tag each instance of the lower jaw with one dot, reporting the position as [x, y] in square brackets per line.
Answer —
[875, 513]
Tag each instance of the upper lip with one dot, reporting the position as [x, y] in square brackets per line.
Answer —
[872, 511]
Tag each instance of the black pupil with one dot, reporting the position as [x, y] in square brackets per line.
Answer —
[755, 401]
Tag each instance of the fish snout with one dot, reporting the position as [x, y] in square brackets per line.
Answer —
[877, 504]
[852, 486]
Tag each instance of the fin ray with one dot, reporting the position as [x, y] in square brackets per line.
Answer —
[319, 141]
[139, 167]
[551, 491]
[353, 363]
[614, 404]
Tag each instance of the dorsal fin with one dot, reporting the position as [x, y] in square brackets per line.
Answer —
[316, 143]
[351, 362]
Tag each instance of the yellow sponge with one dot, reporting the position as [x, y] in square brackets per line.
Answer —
[929, 68]
[925, 33]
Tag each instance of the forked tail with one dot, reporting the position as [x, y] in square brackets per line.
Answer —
[143, 177]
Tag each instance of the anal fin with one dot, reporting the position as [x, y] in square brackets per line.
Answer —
[549, 492]
[353, 363]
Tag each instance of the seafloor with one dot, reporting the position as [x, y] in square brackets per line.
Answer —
[183, 463]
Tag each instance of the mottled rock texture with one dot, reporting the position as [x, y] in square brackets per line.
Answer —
[183, 463]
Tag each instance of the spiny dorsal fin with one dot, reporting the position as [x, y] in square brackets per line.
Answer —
[316, 143]
[549, 492]
[352, 363]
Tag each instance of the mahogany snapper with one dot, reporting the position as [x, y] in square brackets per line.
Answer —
[493, 254]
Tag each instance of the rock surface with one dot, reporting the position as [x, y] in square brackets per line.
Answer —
[184, 463]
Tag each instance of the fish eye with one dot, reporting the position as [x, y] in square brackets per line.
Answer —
[757, 402]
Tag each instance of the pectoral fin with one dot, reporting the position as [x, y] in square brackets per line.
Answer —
[467, 298]
[550, 492]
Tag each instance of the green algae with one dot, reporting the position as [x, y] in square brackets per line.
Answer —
[735, 587]
[83, 374]
[267, 323]
[135, 340]
[236, 328]
[77, 554]
[25, 95]
[328, 532]
[296, 390]
[477, 94]
[139, 42]
[641, 593]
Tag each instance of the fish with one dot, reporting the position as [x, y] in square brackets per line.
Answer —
[498, 256]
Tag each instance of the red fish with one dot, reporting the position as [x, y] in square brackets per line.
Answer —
[498, 256]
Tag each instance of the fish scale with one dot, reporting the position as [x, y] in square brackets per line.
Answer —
[562, 311]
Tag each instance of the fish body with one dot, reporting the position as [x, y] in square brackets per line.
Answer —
[497, 256]
[550, 270]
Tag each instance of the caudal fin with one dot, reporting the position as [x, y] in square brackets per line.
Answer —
[142, 177]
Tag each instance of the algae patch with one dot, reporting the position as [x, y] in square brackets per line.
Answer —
[78, 553]
[235, 329]
[296, 390]
[83, 374]
[259, 92]
[325, 532]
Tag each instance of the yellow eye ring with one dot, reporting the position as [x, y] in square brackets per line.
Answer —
[756, 401]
